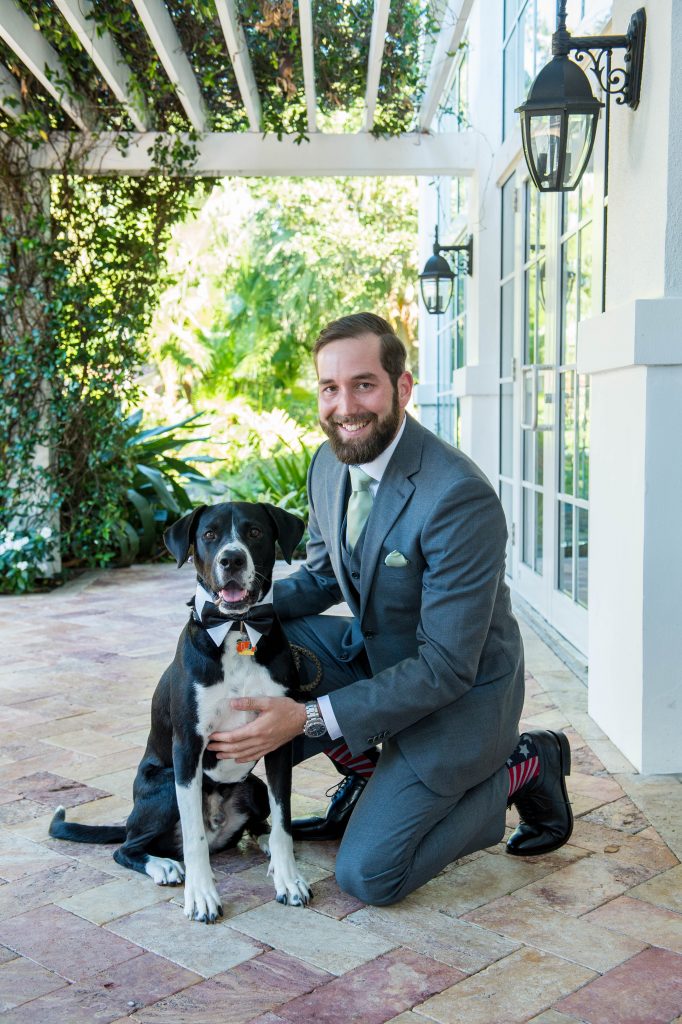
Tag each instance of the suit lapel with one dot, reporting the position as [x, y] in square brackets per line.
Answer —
[394, 492]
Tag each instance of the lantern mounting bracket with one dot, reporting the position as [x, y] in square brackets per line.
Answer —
[623, 83]
[464, 254]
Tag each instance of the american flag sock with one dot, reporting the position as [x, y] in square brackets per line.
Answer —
[523, 765]
[346, 763]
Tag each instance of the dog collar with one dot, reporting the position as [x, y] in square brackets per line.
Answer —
[204, 604]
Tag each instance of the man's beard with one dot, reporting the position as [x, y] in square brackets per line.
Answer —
[367, 449]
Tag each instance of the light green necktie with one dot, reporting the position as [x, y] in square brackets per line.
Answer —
[359, 504]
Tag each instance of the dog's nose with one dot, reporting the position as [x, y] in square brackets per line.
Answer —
[232, 559]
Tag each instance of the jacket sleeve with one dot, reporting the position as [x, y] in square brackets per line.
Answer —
[463, 541]
[313, 588]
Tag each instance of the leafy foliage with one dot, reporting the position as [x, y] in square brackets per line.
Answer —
[160, 490]
[260, 272]
[280, 480]
[341, 38]
[81, 264]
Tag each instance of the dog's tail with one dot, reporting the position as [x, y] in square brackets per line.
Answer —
[100, 834]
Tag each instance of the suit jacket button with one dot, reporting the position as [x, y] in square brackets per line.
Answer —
[343, 656]
[369, 634]
[355, 575]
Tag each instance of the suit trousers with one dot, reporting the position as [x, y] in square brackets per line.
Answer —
[401, 833]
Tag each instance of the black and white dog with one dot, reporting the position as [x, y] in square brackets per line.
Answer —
[232, 646]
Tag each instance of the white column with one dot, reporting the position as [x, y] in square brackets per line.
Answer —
[633, 353]
[425, 396]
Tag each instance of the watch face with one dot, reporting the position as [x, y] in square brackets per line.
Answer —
[314, 730]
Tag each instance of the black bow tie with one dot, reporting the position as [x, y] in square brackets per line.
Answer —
[260, 617]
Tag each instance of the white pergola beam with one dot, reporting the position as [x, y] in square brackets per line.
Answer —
[444, 56]
[305, 21]
[105, 55]
[376, 55]
[10, 93]
[248, 154]
[16, 28]
[238, 51]
[161, 30]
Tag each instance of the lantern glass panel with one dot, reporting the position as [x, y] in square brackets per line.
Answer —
[545, 148]
[436, 293]
[579, 136]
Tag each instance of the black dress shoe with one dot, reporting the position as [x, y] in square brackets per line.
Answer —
[543, 804]
[341, 805]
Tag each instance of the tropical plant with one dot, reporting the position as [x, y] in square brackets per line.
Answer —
[280, 480]
[164, 486]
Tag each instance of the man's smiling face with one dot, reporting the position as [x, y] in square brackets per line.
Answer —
[360, 409]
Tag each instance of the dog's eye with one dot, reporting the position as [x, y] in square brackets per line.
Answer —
[255, 532]
[209, 535]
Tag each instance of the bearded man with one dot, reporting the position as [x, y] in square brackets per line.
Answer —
[410, 533]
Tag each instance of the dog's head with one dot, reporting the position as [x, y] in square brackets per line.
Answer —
[233, 545]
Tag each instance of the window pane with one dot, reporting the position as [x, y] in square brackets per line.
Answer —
[506, 429]
[508, 227]
[507, 325]
[506, 497]
[584, 436]
[585, 297]
[510, 78]
[527, 37]
[582, 557]
[570, 300]
[528, 526]
[546, 23]
[529, 346]
[528, 452]
[531, 209]
[510, 8]
[565, 581]
[538, 533]
[539, 456]
[567, 431]
[540, 317]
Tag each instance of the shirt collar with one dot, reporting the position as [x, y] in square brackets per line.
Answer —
[377, 467]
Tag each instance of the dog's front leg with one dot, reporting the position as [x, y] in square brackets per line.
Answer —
[202, 902]
[290, 886]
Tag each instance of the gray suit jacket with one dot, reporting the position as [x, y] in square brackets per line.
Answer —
[443, 645]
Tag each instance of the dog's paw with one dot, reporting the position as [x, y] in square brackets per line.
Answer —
[202, 902]
[165, 871]
[296, 894]
[291, 889]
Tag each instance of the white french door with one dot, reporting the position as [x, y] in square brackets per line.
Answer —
[547, 287]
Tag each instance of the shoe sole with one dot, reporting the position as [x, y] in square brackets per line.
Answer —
[565, 767]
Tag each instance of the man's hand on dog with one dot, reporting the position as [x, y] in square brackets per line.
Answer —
[279, 720]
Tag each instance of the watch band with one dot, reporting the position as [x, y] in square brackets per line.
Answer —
[314, 722]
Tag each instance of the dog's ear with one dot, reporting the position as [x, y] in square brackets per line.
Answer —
[179, 537]
[288, 528]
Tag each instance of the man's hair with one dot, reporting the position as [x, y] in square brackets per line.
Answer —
[393, 353]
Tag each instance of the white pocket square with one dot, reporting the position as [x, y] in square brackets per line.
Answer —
[395, 560]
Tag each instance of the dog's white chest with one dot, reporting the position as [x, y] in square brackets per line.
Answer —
[242, 677]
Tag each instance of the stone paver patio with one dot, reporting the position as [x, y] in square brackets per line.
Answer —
[590, 933]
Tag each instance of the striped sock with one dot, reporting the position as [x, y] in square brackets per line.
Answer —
[341, 755]
[523, 765]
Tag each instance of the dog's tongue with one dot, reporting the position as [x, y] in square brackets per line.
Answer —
[232, 595]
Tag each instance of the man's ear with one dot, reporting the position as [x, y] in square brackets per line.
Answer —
[179, 537]
[288, 528]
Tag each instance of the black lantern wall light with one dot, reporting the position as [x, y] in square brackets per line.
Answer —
[559, 117]
[437, 278]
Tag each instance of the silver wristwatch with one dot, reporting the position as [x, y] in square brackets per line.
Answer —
[314, 722]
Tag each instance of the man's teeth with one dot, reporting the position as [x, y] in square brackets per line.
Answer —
[354, 426]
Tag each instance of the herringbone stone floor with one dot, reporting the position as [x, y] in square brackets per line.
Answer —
[590, 933]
